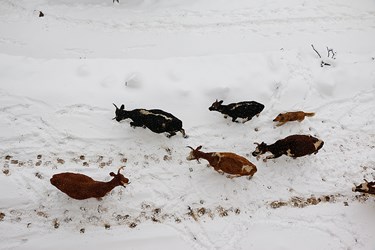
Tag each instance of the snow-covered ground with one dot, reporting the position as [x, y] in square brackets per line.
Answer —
[60, 74]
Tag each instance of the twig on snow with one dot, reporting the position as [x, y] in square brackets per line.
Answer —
[329, 51]
[316, 51]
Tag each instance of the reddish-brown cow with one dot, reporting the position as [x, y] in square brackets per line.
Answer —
[224, 162]
[80, 187]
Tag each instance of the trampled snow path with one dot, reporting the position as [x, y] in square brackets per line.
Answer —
[60, 74]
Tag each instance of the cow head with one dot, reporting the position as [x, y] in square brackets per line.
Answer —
[120, 113]
[260, 149]
[120, 178]
[216, 105]
[194, 154]
[279, 118]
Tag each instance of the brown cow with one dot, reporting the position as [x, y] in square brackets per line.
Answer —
[293, 146]
[224, 162]
[291, 116]
[80, 187]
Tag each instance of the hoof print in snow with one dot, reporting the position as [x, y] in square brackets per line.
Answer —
[132, 225]
[124, 160]
[8, 157]
[38, 175]
[14, 162]
[167, 158]
[56, 223]
[2, 216]
[61, 161]
[237, 211]
[6, 171]
[82, 230]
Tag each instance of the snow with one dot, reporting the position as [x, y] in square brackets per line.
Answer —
[60, 74]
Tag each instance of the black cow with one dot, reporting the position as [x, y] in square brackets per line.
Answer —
[293, 146]
[244, 110]
[158, 121]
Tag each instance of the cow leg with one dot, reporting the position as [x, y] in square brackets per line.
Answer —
[246, 119]
[171, 134]
[134, 124]
[280, 124]
[231, 176]
[272, 157]
[220, 171]
[183, 133]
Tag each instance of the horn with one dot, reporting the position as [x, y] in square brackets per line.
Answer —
[121, 168]
[115, 105]
[365, 181]
[190, 147]
[256, 143]
[114, 118]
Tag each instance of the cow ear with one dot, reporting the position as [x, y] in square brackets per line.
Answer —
[112, 174]
[199, 148]
[221, 102]
[122, 107]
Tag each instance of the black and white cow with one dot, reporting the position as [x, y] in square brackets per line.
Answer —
[158, 121]
[245, 110]
[366, 188]
[293, 146]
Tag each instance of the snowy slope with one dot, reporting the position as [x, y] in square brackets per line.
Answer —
[60, 74]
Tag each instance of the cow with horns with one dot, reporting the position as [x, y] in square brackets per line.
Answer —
[293, 146]
[158, 121]
[245, 110]
[224, 162]
[80, 187]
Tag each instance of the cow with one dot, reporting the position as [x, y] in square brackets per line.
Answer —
[80, 187]
[293, 146]
[158, 121]
[224, 162]
[291, 116]
[245, 110]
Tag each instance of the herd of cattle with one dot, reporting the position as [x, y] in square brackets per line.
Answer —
[79, 186]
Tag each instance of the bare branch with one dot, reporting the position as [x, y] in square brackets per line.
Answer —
[316, 51]
[329, 51]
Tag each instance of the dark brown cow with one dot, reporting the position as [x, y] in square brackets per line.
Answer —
[293, 146]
